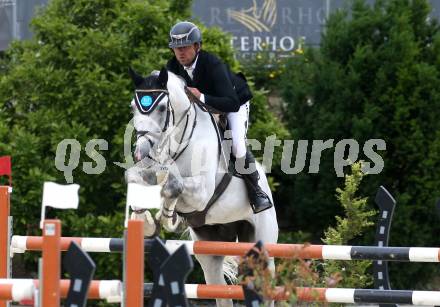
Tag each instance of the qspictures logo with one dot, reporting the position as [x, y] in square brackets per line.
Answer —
[308, 153]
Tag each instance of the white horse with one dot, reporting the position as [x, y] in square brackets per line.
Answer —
[177, 135]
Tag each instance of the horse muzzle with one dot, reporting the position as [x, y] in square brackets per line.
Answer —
[143, 147]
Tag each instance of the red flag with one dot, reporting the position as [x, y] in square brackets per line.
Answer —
[5, 167]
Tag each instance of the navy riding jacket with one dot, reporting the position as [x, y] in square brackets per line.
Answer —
[223, 90]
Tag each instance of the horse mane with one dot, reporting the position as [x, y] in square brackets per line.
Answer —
[157, 72]
[178, 83]
[176, 87]
[177, 77]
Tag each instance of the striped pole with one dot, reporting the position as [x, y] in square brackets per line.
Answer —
[134, 264]
[19, 290]
[4, 235]
[328, 295]
[300, 251]
[51, 267]
[109, 290]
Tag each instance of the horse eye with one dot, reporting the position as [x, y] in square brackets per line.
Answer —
[161, 108]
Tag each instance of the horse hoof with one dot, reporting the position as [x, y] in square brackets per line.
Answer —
[149, 177]
[150, 224]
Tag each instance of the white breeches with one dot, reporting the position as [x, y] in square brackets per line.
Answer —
[238, 123]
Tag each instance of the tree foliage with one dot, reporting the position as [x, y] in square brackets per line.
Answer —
[71, 82]
[376, 76]
[356, 221]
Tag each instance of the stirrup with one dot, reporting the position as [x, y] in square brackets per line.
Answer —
[264, 205]
[256, 210]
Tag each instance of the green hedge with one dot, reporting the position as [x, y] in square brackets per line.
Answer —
[376, 76]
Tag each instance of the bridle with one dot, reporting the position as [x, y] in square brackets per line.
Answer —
[163, 93]
[156, 150]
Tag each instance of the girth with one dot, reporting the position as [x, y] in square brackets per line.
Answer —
[198, 218]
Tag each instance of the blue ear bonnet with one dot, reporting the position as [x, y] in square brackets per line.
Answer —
[147, 100]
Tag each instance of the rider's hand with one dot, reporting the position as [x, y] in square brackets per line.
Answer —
[195, 92]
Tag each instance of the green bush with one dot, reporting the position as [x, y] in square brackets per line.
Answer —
[376, 76]
[357, 219]
[71, 82]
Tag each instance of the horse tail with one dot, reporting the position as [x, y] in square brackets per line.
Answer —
[186, 234]
[230, 269]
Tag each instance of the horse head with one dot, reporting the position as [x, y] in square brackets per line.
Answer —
[159, 105]
[161, 115]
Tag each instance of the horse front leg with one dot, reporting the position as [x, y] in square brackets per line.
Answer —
[171, 190]
[193, 192]
[145, 176]
[185, 194]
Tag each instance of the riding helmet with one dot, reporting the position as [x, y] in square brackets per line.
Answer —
[184, 33]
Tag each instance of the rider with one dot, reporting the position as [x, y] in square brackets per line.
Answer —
[211, 81]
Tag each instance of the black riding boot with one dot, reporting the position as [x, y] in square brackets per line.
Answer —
[258, 199]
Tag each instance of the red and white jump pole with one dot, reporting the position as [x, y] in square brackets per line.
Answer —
[20, 244]
[23, 290]
[327, 295]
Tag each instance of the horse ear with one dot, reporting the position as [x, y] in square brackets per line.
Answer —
[137, 79]
[163, 77]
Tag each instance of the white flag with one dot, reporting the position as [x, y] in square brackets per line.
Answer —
[60, 196]
[143, 197]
